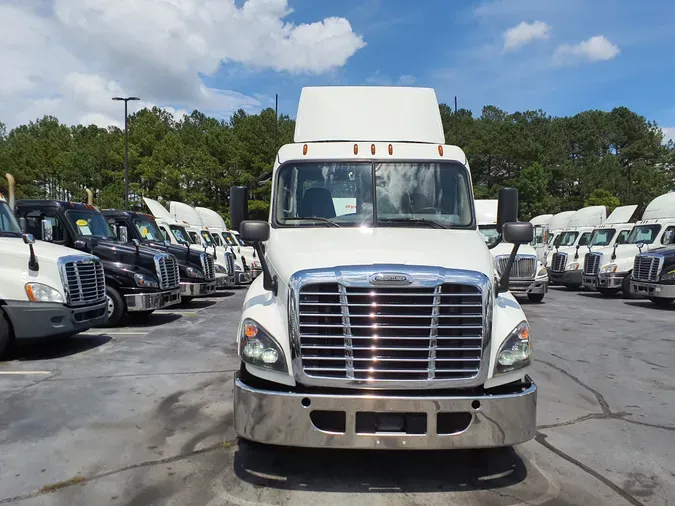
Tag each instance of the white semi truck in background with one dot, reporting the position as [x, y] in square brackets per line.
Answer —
[411, 340]
[46, 290]
[528, 275]
[555, 226]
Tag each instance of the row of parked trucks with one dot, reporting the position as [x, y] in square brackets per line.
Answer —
[90, 267]
[614, 253]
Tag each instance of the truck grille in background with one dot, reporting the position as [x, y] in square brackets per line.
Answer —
[558, 262]
[167, 271]
[208, 267]
[85, 282]
[382, 333]
[230, 263]
[647, 268]
[523, 266]
[592, 263]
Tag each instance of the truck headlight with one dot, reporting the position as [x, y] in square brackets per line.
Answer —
[145, 281]
[257, 347]
[668, 276]
[608, 268]
[37, 292]
[542, 272]
[516, 352]
[220, 269]
[572, 267]
[194, 273]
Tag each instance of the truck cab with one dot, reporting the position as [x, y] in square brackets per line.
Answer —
[138, 279]
[197, 268]
[528, 276]
[387, 327]
[653, 274]
[654, 230]
[47, 291]
[555, 226]
[604, 241]
[567, 263]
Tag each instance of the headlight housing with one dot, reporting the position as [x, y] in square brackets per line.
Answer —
[258, 348]
[608, 268]
[542, 272]
[221, 269]
[516, 352]
[574, 266]
[145, 281]
[37, 292]
[668, 276]
[194, 273]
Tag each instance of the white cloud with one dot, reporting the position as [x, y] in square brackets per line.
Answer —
[524, 33]
[668, 134]
[68, 58]
[595, 49]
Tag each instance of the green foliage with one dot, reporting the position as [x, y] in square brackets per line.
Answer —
[595, 157]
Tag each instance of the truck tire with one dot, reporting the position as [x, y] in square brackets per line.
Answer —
[535, 297]
[661, 302]
[572, 287]
[5, 332]
[625, 288]
[116, 306]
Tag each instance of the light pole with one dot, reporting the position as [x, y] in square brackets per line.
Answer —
[126, 149]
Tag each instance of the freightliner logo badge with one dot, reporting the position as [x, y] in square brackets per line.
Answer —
[390, 278]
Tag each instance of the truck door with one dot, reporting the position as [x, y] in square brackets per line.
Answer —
[34, 226]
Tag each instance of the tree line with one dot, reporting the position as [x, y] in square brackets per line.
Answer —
[557, 163]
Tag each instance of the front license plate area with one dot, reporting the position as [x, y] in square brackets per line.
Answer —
[368, 422]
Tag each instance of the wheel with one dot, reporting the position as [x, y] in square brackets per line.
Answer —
[664, 302]
[625, 287]
[5, 332]
[608, 292]
[535, 297]
[572, 287]
[116, 306]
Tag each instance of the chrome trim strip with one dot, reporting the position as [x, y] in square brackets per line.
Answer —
[433, 333]
[347, 332]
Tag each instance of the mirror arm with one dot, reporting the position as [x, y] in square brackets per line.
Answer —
[33, 264]
[270, 283]
[504, 281]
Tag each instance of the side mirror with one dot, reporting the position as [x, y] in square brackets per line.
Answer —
[22, 224]
[167, 243]
[47, 231]
[507, 209]
[28, 239]
[238, 206]
[81, 245]
[32, 261]
[254, 231]
[123, 233]
[518, 232]
[640, 245]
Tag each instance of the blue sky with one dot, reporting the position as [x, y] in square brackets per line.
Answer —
[458, 48]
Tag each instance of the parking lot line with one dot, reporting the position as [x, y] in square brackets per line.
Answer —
[116, 333]
[15, 373]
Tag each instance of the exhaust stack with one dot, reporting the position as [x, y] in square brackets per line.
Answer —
[12, 190]
[90, 197]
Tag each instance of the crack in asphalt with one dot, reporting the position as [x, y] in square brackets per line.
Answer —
[222, 445]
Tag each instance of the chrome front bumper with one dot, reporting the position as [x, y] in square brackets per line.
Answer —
[150, 301]
[242, 278]
[589, 281]
[611, 279]
[281, 418]
[655, 290]
[526, 286]
[224, 280]
[203, 289]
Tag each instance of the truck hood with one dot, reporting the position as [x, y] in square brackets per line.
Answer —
[43, 250]
[293, 250]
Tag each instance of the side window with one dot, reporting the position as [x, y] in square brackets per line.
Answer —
[113, 225]
[195, 237]
[622, 237]
[583, 240]
[165, 233]
[34, 226]
[668, 236]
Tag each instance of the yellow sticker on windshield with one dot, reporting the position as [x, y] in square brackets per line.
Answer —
[81, 223]
[144, 231]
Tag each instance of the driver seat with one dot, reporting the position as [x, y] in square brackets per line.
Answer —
[317, 203]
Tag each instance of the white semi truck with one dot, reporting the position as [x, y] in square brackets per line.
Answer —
[604, 241]
[528, 275]
[387, 327]
[654, 230]
[541, 229]
[555, 226]
[46, 290]
[567, 263]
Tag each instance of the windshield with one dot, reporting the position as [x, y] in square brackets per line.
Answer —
[229, 239]
[9, 226]
[217, 239]
[568, 238]
[90, 224]
[540, 235]
[180, 234]
[585, 237]
[342, 194]
[489, 233]
[644, 233]
[602, 237]
[148, 230]
[207, 237]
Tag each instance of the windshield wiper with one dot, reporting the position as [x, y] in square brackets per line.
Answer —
[419, 221]
[323, 220]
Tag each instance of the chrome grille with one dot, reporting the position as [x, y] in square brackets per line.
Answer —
[390, 334]
[230, 263]
[84, 281]
[592, 263]
[167, 271]
[523, 266]
[647, 267]
[558, 262]
[208, 266]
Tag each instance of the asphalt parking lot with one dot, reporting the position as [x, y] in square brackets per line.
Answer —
[141, 415]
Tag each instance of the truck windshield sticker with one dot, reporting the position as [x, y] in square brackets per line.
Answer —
[81, 223]
[148, 229]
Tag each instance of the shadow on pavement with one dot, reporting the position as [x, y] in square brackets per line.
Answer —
[647, 304]
[46, 350]
[194, 304]
[377, 471]
[223, 294]
[148, 321]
